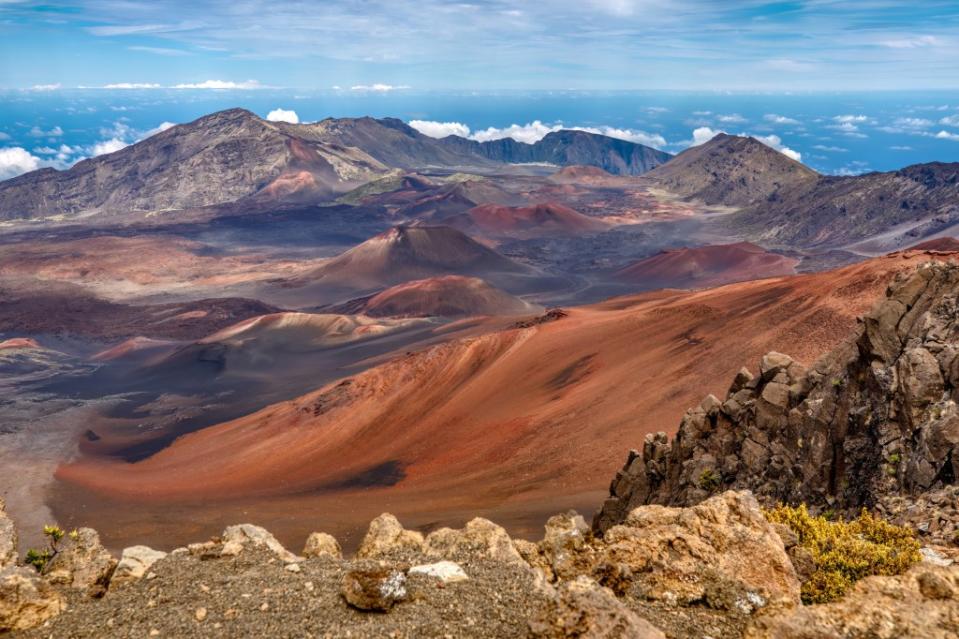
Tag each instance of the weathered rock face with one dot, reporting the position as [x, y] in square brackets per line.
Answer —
[921, 603]
[236, 538]
[26, 600]
[478, 538]
[874, 419]
[8, 538]
[386, 537]
[84, 564]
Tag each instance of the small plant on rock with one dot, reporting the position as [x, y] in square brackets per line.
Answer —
[41, 558]
[847, 551]
[709, 480]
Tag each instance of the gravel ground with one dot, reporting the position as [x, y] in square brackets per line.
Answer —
[253, 595]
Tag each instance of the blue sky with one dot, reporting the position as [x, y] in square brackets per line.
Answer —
[484, 44]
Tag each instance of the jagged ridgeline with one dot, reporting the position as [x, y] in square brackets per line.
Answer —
[872, 424]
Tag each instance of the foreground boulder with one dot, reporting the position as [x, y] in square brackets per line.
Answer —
[581, 608]
[134, 564]
[924, 602]
[478, 539]
[371, 585]
[26, 600]
[873, 420]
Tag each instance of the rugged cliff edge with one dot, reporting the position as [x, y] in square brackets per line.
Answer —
[872, 424]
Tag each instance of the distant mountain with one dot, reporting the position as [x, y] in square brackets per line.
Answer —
[705, 266]
[445, 296]
[217, 159]
[916, 201]
[566, 148]
[731, 170]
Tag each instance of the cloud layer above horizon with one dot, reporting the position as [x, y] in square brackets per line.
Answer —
[380, 46]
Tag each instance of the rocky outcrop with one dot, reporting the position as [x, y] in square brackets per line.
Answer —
[871, 422]
[8, 538]
[236, 538]
[83, 564]
[921, 603]
[370, 585]
[26, 600]
[582, 608]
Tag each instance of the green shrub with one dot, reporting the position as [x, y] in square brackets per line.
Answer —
[709, 480]
[847, 551]
[39, 559]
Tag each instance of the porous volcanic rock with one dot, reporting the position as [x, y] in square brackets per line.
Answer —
[84, 564]
[134, 564]
[26, 600]
[872, 421]
[924, 602]
[8, 538]
[370, 585]
[320, 544]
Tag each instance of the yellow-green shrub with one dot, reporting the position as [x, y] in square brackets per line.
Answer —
[847, 551]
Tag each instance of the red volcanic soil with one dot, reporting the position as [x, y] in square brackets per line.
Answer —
[941, 244]
[534, 413]
[446, 296]
[578, 173]
[707, 266]
[550, 218]
[18, 343]
[406, 253]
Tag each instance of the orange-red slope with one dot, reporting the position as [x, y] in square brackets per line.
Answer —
[705, 266]
[548, 218]
[547, 410]
[446, 296]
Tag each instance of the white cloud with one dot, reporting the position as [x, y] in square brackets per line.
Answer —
[790, 66]
[160, 51]
[950, 120]
[132, 85]
[282, 115]
[37, 132]
[912, 43]
[704, 134]
[733, 118]
[108, 146]
[901, 148]
[17, 160]
[220, 84]
[948, 135]
[4, 136]
[775, 142]
[849, 119]
[45, 87]
[779, 119]
[535, 131]
[830, 149]
[440, 129]
[914, 123]
[702, 113]
[378, 87]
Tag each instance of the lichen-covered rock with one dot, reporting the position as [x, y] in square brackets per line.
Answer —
[8, 538]
[877, 417]
[581, 608]
[386, 537]
[924, 602]
[26, 600]
[236, 538]
[479, 538]
[83, 563]
[320, 544]
[134, 563]
[371, 585]
[721, 553]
